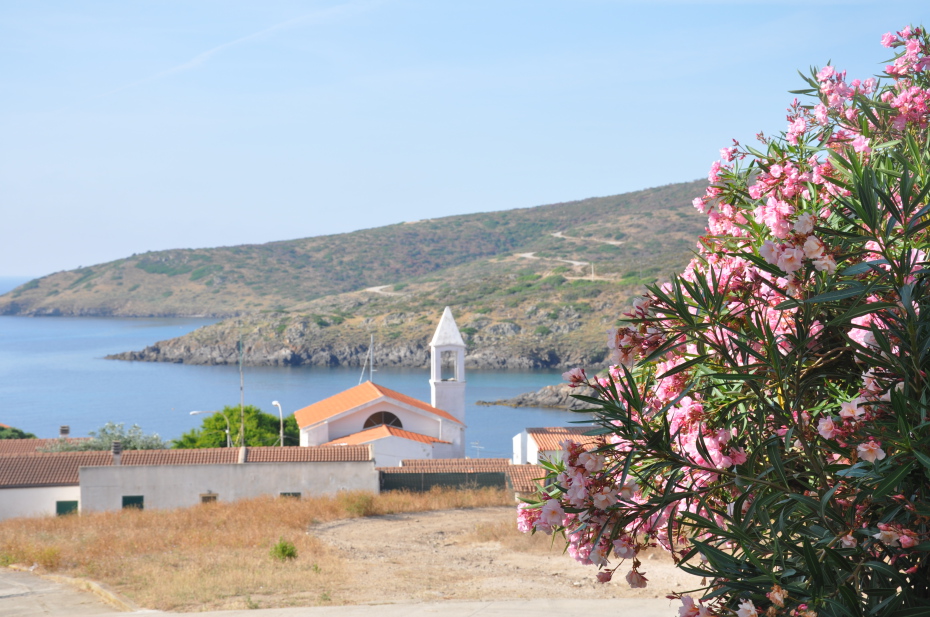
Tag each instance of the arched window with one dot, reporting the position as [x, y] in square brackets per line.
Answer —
[383, 417]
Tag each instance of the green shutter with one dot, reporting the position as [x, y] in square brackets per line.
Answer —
[66, 507]
[133, 501]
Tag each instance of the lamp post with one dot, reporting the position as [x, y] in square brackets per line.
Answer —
[228, 428]
[281, 416]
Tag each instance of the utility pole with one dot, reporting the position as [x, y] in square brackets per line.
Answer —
[241, 395]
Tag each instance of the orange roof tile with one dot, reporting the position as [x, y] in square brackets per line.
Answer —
[457, 462]
[356, 397]
[61, 468]
[26, 446]
[450, 465]
[551, 438]
[525, 478]
[380, 432]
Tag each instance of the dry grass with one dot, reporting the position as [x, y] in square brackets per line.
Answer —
[506, 534]
[214, 556]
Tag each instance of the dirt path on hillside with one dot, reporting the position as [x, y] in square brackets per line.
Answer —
[470, 555]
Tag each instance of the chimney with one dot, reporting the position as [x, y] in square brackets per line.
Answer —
[117, 452]
[63, 431]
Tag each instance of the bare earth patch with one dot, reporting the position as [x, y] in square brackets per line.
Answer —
[474, 554]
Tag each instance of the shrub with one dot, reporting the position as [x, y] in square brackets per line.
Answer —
[767, 416]
[284, 550]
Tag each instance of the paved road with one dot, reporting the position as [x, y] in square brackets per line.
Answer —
[23, 594]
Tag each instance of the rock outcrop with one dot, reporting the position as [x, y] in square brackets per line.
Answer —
[549, 397]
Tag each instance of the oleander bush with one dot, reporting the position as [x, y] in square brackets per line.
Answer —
[766, 416]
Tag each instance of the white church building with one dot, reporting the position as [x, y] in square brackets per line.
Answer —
[394, 425]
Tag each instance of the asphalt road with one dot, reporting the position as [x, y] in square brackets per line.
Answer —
[23, 594]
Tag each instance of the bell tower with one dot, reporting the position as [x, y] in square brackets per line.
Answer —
[447, 368]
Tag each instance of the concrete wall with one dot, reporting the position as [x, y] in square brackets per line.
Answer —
[178, 486]
[519, 449]
[40, 501]
[390, 451]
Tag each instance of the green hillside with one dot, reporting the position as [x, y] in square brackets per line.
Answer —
[475, 260]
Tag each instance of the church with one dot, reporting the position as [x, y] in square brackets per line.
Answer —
[394, 425]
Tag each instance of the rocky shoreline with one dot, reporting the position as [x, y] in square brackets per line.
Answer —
[559, 396]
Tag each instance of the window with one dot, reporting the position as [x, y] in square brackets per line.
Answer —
[133, 501]
[448, 365]
[66, 507]
[383, 417]
[291, 495]
[208, 498]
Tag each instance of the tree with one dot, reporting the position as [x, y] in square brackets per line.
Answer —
[261, 429]
[102, 439]
[9, 432]
[767, 420]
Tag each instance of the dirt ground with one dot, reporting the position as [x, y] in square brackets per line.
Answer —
[470, 555]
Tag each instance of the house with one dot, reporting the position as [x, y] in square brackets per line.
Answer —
[61, 482]
[536, 444]
[395, 425]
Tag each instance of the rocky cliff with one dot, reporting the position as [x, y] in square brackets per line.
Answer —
[559, 396]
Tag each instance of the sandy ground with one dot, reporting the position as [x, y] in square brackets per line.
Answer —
[473, 555]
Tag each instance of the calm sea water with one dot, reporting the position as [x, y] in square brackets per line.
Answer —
[52, 372]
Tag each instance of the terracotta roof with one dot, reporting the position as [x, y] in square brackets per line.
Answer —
[551, 438]
[380, 432]
[314, 454]
[27, 446]
[47, 469]
[525, 478]
[2, 425]
[357, 396]
[61, 468]
[494, 464]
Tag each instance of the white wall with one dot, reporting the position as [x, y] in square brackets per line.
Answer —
[519, 449]
[178, 486]
[390, 451]
[421, 422]
[35, 501]
[314, 435]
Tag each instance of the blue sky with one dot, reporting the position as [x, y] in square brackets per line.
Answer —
[135, 126]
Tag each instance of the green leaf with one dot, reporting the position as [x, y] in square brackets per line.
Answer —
[891, 481]
[840, 294]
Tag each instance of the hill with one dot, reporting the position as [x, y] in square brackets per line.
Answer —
[622, 235]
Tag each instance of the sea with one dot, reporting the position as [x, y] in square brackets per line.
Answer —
[53, 373]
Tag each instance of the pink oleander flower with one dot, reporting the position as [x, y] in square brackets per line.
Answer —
[624, 547]
[747, 609]
[804, 224]
[887, 537]
[604, 576]
[861, 144]
[769, 251]
[848, 541]
[690, 609]
[603, 499]
[552, 514]
[907, 541]
[629, 489]
[826, 427]
[888, 39]
[870, 451]
[813, 247]
[636, 580]
[851, 410]
[777, 596]
[825, 264]
[791, 260]
[575, 377]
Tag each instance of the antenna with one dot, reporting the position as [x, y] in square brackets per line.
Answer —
[369, 362]
[241, 394]
[478, 448]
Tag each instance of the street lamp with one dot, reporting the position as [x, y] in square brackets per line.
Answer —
[228, 429]
[281, 416]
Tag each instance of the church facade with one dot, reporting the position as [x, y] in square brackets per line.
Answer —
[395, 425]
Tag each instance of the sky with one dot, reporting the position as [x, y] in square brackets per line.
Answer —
[127, 127]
